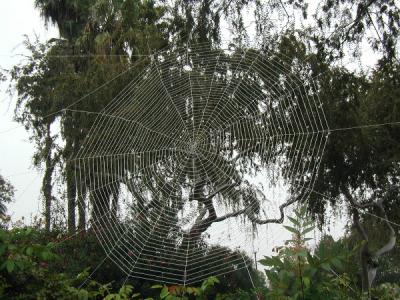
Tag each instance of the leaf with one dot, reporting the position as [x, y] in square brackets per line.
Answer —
[10, 266]
[303, 210]
[164, 292]
[306, 281]
[46, 255]
[291, 229]
[307, 230]
[29, 251]
[294, 221]
[109, 297]
[84, 274]
[268, 261]
[156, 286]
[212, 280]
[83, 295]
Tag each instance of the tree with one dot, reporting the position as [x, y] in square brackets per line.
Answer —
[359, 163]
[6, 195]
[62, 71]
[346, 24]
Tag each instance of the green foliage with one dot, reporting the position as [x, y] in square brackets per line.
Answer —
[296, 273]
[25, 272]
[6, 195]
[30, 269]
[186, 292]
[386, 291]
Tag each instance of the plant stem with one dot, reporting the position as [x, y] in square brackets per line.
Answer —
[301, 278]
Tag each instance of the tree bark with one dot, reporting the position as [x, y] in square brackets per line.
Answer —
[47, 178]
[82, 208]
[71, 195]
[369, 259]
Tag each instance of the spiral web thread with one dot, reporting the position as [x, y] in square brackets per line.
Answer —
[202, 138]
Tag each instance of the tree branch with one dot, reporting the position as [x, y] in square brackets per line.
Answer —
[282, 214]
[392, 238]
[369, 263]
[220, 189]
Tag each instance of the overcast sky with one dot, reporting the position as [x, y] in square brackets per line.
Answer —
[18, 18]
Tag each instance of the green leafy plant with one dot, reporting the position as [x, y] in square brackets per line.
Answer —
[386, 291]
[177, 292]
[297, 273]
[25, 271]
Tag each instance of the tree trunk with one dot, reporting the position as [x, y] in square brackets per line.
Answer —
[82, 208]
[369, 259]
[71, 195]
[47, 179]
[365, 254]
[100, 200]
[114, 203]
[71, 147]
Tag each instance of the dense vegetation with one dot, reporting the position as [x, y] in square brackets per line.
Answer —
[102, 40]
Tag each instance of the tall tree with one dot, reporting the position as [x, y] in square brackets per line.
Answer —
[360, 160]
[34, 109]
[99, 41]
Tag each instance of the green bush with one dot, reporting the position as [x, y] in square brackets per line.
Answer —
[296, 273]
[32, 269]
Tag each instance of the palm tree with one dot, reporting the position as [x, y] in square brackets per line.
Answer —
[70, 16]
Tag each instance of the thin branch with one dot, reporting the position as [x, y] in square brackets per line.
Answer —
[282, 214]
[230, 215]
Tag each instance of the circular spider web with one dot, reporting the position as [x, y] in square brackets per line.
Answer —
[201, 139]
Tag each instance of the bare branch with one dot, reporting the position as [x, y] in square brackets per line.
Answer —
[282, 214]
[230, 215]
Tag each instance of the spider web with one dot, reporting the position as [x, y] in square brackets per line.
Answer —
[204, 143]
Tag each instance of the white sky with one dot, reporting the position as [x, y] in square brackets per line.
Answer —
[19, 18]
